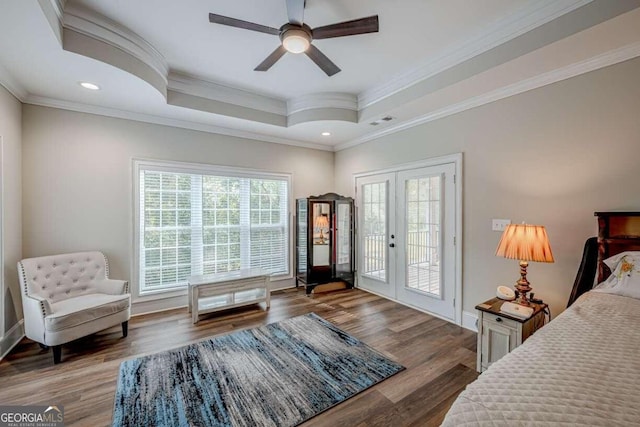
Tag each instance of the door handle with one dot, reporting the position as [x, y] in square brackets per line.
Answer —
[392, 245]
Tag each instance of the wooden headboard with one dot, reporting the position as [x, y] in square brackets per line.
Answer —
[617, 232]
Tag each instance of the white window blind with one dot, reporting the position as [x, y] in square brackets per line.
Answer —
[204, 223]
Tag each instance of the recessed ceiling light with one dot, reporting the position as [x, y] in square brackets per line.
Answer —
[326, 133]
[90, 86]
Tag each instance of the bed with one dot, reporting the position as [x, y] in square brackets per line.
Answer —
[583, 368]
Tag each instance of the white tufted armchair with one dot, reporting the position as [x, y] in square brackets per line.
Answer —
[69, 296]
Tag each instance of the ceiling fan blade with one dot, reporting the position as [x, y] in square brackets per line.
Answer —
[271, 59]
[322, 61]
[238, 23]
[348, 28]
[295, 10]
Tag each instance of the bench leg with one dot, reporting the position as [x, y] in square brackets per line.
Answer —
[125, 328]
[57, 354]
[195, 294]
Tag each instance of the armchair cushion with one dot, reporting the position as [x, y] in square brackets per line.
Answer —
[75, 311]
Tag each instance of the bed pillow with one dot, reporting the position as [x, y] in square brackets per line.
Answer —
[625, 275]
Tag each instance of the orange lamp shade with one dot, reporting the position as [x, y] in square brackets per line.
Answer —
[321, 221]
[525, 242]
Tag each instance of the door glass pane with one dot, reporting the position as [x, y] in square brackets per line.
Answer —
[321, 234]
[374, 248]
[343, 237]
[423, 234]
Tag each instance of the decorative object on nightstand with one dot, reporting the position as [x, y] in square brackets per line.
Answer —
[525, 243]
[500, 332]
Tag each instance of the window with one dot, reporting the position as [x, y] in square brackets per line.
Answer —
[193, 219]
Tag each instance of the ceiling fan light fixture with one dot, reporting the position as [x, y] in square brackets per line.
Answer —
[296, 41]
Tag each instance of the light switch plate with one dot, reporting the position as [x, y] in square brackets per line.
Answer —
[500, 224]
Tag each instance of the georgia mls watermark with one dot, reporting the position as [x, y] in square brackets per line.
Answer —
[32, 416]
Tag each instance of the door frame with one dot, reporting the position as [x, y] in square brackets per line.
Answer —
[457, 160]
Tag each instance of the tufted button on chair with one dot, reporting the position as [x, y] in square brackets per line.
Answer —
[72, 307]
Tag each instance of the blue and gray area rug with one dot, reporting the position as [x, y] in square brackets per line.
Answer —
[280, 374]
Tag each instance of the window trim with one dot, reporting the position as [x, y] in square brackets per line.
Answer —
[170, 166]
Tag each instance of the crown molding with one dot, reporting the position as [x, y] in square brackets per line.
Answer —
[59, 6]
[110, 32]
[341, 100]
[338, 106]
[599, 61]
[166, 121]
[53, 11]
[12, 85]
[499, 32]
[207, 105]
[196, 86]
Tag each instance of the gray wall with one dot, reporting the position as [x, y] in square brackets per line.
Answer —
[78, 179]
[551, 156]
[11, 132]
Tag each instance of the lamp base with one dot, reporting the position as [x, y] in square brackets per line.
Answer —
[522, 285]
[522, 300]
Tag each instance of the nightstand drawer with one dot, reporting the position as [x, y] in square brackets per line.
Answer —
[508, 323]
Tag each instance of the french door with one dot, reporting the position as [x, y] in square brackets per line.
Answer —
[376, 226]
[406, 236]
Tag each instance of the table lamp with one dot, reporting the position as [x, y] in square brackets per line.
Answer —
[321, 222]
[525, 243]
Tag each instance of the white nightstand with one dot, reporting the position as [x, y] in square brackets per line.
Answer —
[499, 333]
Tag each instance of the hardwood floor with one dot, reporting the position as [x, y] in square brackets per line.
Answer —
[439, 356]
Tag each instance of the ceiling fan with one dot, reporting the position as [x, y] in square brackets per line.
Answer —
[296, 36]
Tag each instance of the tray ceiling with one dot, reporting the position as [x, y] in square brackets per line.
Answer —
[163, 62]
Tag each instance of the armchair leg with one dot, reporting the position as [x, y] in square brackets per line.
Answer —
[57, 353]
[125, 328]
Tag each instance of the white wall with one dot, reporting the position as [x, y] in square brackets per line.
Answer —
[11, 132]
[551, 156]
[77, 180]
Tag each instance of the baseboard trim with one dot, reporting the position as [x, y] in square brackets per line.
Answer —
[11, 338]
[470, 321]
[157, 305]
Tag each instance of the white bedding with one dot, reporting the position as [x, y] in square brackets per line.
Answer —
[583, 368]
